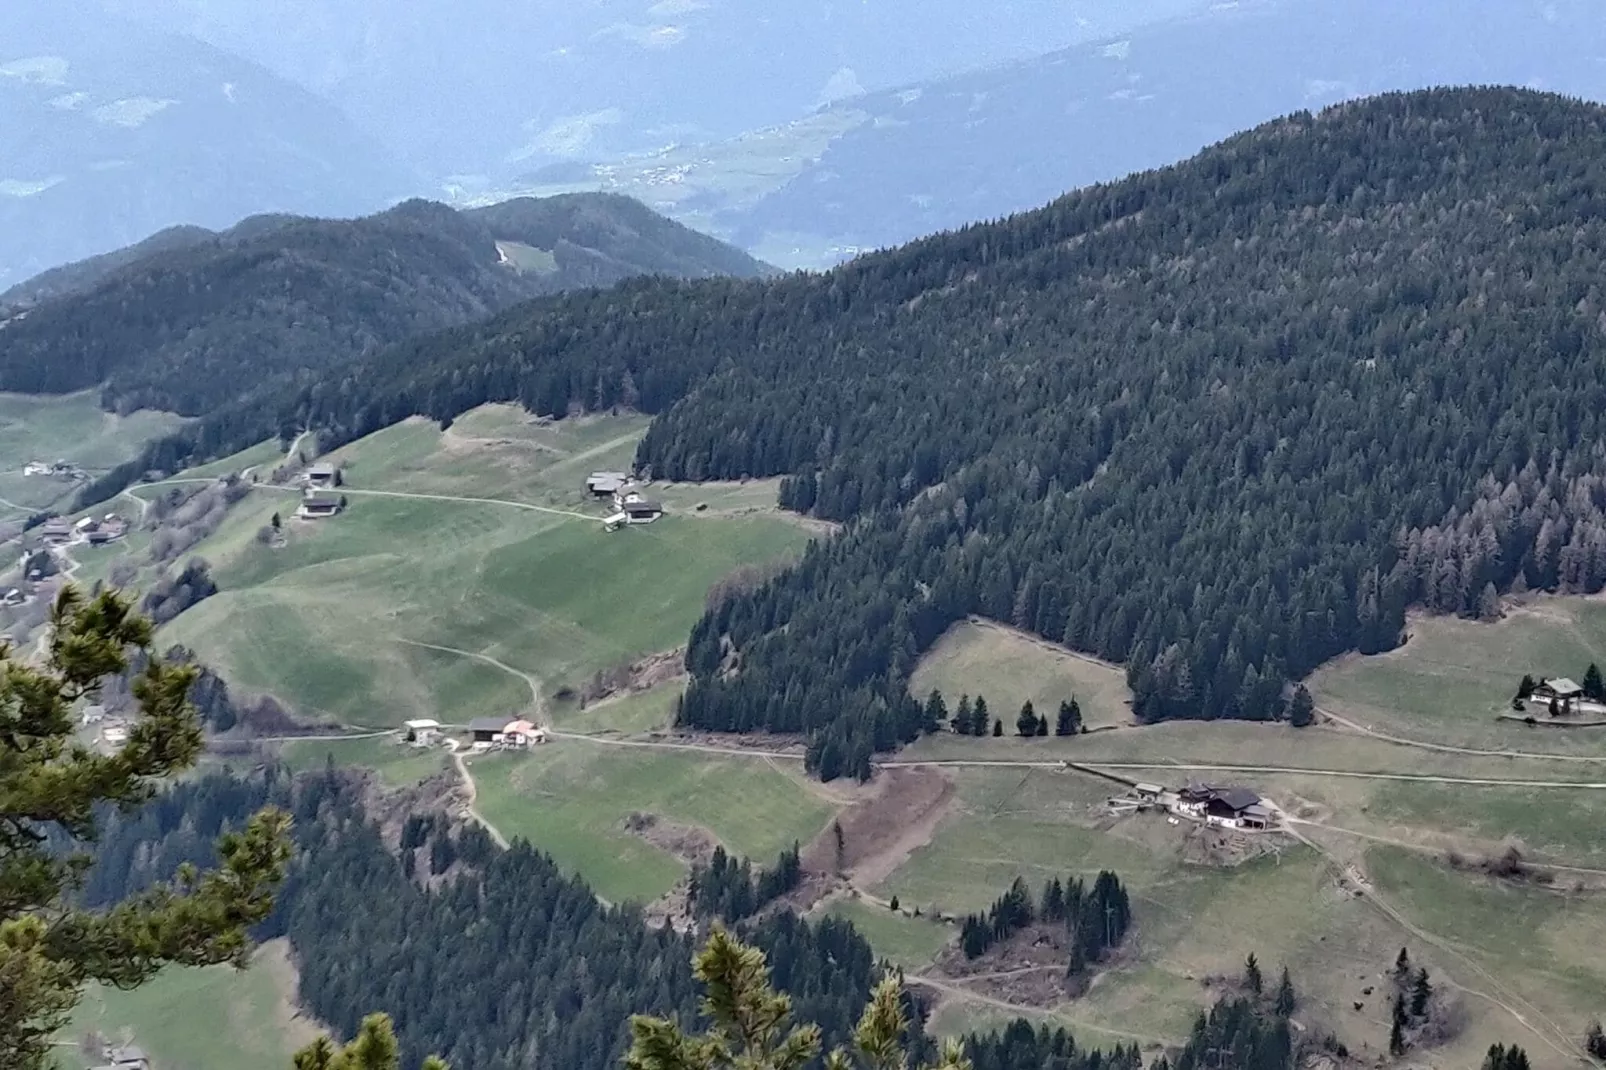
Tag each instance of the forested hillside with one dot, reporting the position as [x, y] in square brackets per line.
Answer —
[1220, 422]
[506, 964]
[189, 322]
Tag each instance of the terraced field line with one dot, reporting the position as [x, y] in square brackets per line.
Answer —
[473, 796]
[530, 681]
[1002, 763]
[360, 492]
[1445, 748]
[1211, 767]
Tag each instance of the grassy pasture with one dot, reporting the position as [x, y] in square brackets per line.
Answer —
[71, 427]
[324, 621]
[571, 799]
[1009, 668]
[1452, 677]
[199, 1019]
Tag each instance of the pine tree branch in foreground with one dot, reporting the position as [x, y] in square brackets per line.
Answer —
[749, 1024]
[50, 786]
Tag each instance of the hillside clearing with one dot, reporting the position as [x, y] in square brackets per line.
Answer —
[389, 611]
[1452, 677]
[1010, 667]
[572, 801]
[213, 1017]
[71, 427]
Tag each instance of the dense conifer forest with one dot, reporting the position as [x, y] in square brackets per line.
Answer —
[1218, 422]
[188, 321]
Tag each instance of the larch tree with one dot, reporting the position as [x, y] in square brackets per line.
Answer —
[50, 788]
[751, 1027]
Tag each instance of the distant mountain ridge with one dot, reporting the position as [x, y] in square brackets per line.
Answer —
[189, 319]
[110, 132]
[883, 168]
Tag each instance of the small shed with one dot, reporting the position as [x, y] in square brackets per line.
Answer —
[316, 506]
[13, 597]
[128, 1058]
[323, 474]
[642, 511]
[422, 731]
[604, 484]
[93, 714]
[1148, 792]
[1256, 816]
[56, 531]
[116, 735]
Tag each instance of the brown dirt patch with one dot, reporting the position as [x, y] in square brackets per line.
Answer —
[1028, 969]
[693, 845]
[1208, 845]
[642, 674]
[881, 831]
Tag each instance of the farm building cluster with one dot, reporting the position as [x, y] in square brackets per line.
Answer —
[95, 531]
[630, 501]
[318, 497]
[108, 729]
[54, 470]
[485, 733]
[123, 1058]
[1221, 806]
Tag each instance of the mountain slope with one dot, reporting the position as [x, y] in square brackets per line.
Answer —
[109, 133]
[884, 168]
[201, 320]
[1221, 421]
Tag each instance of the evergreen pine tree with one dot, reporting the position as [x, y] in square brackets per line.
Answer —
[1065, 723]
[936, 712]
[1286, 1000]
[979, 717]
[1594, 686]
[962, 716]
[998, 727]
[1402, 967]
[57, 795]
[1302, 708]
[1042, 725]
[1026, 723]
[1525, 688]
[1421, 992]
[1397, 1026]
[1252, 978]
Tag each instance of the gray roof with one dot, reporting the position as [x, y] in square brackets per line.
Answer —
[1260, 810]
[1563, 686]
[646, 505]
[322, 468]
[488, 724]
[129, 1054]
[1236, 798]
